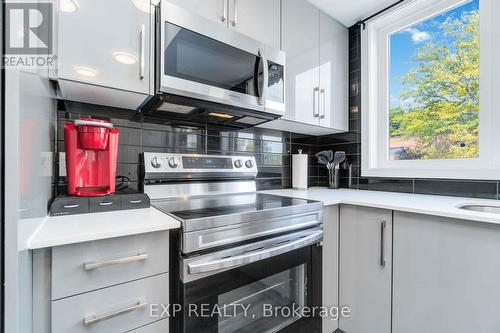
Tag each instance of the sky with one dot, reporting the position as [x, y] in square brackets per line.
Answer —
[404, 44]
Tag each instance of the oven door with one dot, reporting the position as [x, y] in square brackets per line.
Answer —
[205, 60]
[259, 288]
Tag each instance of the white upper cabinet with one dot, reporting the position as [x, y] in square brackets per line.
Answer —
[105, 44]
[258, 19]
[215, 10]
[317, 74]
[301, 44]
[334, 73]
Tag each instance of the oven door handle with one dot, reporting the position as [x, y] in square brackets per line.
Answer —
[244, 259]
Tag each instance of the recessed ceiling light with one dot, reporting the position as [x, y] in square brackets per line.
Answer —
[142, 5]
[125, 58]
[68, 6]
[85, 71]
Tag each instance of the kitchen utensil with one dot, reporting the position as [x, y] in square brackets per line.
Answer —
[338, 158]
[329, 156]
[321, 158]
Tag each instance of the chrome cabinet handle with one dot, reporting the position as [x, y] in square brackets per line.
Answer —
[142, 60]
[88, 266]
[254, 256]
[265, 81]
[91, 320]
[105, 203]
[382, 242]
[224, 11]
[235, 14]
[323, 104]
[315, 102]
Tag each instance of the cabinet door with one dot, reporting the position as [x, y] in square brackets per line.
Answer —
[334, 76]
[330, 265]
[446, 275]
[215, 10]
[259, 19]
[301, 44]
[106, 43]
[365, 269]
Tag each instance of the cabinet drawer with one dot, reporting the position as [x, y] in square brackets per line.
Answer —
[117, 309]
[83, 267]
[134, 201]
[160, 326]
[105, 204]
[69, 205]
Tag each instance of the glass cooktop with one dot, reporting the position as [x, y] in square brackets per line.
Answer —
[190, 208]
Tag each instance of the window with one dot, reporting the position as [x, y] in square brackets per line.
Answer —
[428, 82]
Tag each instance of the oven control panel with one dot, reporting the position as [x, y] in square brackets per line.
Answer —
[157, 164]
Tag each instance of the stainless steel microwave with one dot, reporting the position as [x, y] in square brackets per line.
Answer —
[203, 60]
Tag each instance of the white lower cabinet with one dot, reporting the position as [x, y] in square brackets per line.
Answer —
[330, 266]
[365, 269]
[410, 273]
[103, 286]
[114, 309]
[446, 275]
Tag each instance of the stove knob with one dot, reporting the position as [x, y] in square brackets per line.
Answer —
[156, 162]
[238, 163]
[249, 164]
[173, 163]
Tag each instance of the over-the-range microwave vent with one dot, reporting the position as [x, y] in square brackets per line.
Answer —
[173, 109]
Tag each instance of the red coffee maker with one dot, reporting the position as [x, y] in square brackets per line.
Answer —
[91, 152]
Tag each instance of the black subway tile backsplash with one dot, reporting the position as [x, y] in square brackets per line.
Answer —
[386, 184]
[459, 188]
[271, 148]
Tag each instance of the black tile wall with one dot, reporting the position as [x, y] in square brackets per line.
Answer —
[351, 143]
[271, 148]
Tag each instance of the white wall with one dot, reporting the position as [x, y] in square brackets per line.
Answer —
[30, 109]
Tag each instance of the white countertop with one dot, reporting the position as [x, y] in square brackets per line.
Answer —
[69, 229]
[414, 203]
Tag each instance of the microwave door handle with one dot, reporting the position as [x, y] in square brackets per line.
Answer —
[265, 81]
[249, 258]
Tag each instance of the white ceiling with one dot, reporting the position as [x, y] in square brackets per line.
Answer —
[349, 12]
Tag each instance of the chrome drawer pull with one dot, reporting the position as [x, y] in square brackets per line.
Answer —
[71, 206]
[105, 203]
[135, 201]
[93, 265]
[91, 320]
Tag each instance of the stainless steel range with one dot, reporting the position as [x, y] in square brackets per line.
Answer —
[237, 249]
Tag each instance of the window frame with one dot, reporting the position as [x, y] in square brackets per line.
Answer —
[375, 96]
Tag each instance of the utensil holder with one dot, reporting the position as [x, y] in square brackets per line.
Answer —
[333, 178]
